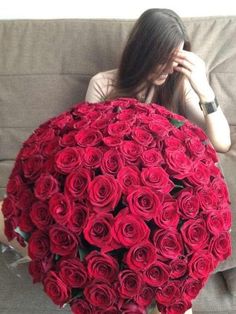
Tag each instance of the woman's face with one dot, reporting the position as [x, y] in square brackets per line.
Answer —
[168, 70]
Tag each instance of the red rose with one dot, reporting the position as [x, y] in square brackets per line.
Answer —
[39, 268]
[201, 264]
[193, 131]
[127, 115]
[156, 274]
[152, 157]
[218, 184]
[98, 230]
[191, 288]
[14, 185]
[49, 148]
[79, 217]
[129, 283]
[227, 218]
[31, 149]
[24, 199]
[200, 174]
[173, 143]
[68, 159]
[215, 222]
[128, 177]
[143, 137]
[102, 266]
[146, 295]
[207, 198]
[188, 203]
[220, 246]
[61, 121]
[56, 289]
[9, 228]
[179, 164]
[100, 293]
[76, 183]
[112, 162]
[178, 267]
[43, 134]
[160, 126]
[32, 166]
[40, 215]
[195, 234]
[45, 186]
[211, 153]
[93, 157]
[112, 141]
[195, 147]
[68, 139]
[140, 256]
[157, 178]
[168, 216]
[80, 306]
[180, 306]
[104, 193]
[73, 272]
[168, 243]
[144, 202]
[88, 137]
[9, 207]
[24, 222]
[101, 123]
[169, 293]
[60, 208]
[131, 151]
[62, 241]
[118, 129]
[39, 245]
[128, 229]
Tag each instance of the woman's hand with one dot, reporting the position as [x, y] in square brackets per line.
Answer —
[195, 69]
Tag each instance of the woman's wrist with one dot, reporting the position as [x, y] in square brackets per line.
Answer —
[207, 97]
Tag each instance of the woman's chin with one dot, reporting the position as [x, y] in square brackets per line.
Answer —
[159, 81]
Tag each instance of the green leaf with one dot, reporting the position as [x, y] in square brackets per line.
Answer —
[57, 257]
[179, 186]
[76, 293]
[177, 123]
[82, 253]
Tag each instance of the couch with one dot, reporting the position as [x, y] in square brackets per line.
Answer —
[45, 68]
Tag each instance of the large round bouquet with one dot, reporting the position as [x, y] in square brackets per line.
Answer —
[122, 205]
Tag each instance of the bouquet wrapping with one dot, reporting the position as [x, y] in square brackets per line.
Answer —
[122, 207]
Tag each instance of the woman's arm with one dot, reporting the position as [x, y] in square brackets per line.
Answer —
[214, 124]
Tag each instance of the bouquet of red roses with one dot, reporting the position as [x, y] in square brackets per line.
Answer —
[122, 206]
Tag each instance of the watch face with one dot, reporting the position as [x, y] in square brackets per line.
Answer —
[209, 107]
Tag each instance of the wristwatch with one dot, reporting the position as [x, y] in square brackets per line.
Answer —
[209, 107]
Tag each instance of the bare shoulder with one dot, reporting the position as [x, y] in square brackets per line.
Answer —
[110, 74]
[100, 85]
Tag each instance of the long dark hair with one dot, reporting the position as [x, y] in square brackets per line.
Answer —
[151, 43]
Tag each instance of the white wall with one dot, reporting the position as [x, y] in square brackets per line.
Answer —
[123, 9]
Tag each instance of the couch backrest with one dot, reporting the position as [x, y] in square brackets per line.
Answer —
[45, 67]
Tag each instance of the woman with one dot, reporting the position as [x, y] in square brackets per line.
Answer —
[157, 65]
